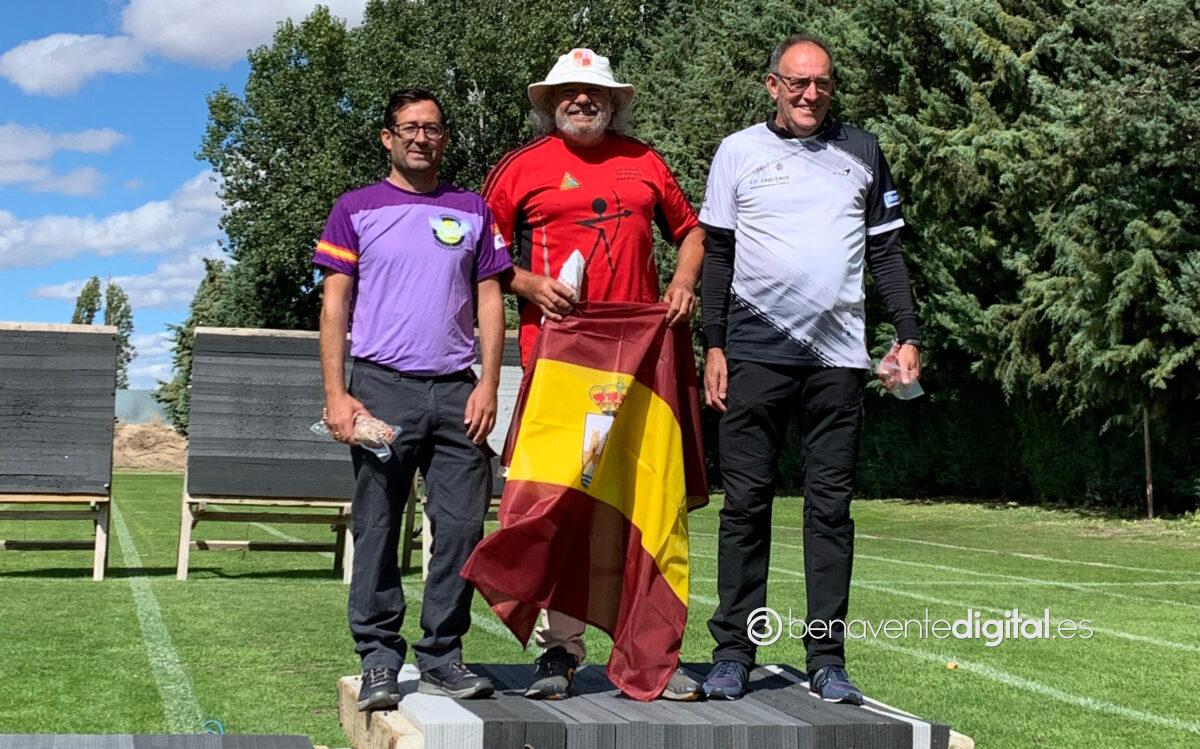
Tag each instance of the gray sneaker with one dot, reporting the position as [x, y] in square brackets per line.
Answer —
[682, 688]
[555, 669]
[456, 681]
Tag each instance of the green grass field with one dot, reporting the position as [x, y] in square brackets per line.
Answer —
[259, 640]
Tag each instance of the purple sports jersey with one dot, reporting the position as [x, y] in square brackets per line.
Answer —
[414, 258]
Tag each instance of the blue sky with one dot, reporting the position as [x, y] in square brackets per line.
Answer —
[102, 108]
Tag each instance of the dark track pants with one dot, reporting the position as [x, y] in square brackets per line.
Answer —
[762, 399]
[458, 477]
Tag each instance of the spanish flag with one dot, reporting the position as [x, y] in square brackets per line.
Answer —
[604, 462]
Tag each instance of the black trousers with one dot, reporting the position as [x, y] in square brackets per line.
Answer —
[459, 479]
[762, 400]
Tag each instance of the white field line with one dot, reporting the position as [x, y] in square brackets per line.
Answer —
[1015, 578]
[180, 707]
[1006, 583]
[1019, 682]
[1021, 579]
[1019, 555]
[492, 626]
[486, 623]
[286, 537]
[706, 600]
[1168, 644]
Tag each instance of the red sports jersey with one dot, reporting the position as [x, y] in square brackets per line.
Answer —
[551, 200]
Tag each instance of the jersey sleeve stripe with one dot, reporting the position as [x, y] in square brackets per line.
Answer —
[873, 230]
[338, 253]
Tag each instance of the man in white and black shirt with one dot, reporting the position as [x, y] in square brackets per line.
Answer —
[794, 209]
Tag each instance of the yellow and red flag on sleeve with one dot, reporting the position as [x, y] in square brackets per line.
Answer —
[605, 460]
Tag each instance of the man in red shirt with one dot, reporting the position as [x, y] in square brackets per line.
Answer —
[586, 186]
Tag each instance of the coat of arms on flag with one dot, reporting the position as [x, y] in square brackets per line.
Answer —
[604, 461]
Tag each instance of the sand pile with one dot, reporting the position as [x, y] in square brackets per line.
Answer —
[152, 446]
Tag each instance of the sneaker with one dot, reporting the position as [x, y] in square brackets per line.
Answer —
[682, 688]
[379, 689]
[726, 681]
[555, 669]
[832, 684]
[456, 681]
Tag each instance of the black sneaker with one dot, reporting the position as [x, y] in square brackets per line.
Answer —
[832, 684]
[379, 689]
[555, 669]
[455, 680]
[726, 681]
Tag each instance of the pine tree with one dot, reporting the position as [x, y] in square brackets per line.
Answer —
[119, 314]
[88, 303]
[204, 310]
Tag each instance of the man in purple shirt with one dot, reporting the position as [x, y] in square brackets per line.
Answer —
[402, 258]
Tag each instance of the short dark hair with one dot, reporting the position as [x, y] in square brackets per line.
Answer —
[405, 96]
[782, 48]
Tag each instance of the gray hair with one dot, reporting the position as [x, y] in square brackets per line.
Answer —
[795, 39]
[543, 120]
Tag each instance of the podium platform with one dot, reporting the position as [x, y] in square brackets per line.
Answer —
[779, 713]
[163, 741]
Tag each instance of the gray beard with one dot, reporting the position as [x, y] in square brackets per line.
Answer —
[592, 133]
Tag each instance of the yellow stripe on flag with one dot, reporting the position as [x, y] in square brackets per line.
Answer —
[640, 471]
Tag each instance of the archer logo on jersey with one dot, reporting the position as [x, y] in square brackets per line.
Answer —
[449, 231]
[568, 182]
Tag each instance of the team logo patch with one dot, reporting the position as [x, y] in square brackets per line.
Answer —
[498, 238]
[568, 182]
[582, 58]
[596, 426]
[449, 231]
[891, 198]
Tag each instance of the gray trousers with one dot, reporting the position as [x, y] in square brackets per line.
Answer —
[458, 476]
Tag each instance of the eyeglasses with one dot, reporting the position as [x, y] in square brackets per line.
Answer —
[408, 131]
[800, 85]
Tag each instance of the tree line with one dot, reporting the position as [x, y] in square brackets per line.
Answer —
[1048, 153]
[117, 312]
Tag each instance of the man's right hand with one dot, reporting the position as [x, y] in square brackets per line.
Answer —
[551, 295]
[716, 379]
[340, 413]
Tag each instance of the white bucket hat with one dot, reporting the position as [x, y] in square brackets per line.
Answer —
[581, 66]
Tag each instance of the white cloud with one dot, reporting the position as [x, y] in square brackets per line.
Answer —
[82, 181]
[189, 216]
[172, 283]
[146, 375]
[60, 63]
[26, 151]
[19, 143]
[19, 172]
[151, 345]
[218, 32]
[133, 184]
[212, 33]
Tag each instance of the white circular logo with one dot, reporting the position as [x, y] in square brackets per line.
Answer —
[764, 626]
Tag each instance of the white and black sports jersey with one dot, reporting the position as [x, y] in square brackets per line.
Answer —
[804, 215]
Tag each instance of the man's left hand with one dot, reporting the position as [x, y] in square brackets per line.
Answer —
[909, 359]
[481, 412]
[682, 300]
